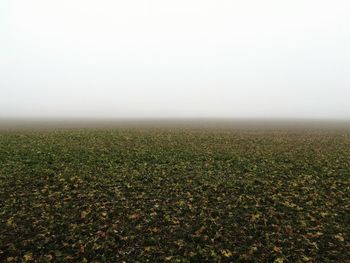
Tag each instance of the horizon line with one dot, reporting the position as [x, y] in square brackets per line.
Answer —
[134, 118]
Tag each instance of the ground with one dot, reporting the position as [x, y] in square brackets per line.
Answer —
[177, 195]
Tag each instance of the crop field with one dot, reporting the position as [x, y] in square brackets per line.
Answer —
[174, 195]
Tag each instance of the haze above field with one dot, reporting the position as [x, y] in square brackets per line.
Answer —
[175, 59]
[179, 124]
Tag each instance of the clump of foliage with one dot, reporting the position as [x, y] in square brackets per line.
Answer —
[183, 195]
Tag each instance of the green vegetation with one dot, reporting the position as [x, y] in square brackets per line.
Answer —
[177, 195]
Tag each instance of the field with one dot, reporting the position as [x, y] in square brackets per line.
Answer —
[174, 194]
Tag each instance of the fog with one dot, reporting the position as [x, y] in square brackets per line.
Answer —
[175, 59]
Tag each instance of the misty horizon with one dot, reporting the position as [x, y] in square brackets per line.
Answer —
[189, 60]
[175, 131]
[229, 124]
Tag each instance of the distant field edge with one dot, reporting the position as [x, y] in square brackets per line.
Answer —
[195, 123]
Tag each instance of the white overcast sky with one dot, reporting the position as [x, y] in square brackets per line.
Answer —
[183, 58]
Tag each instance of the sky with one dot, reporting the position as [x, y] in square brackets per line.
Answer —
[175, 59]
